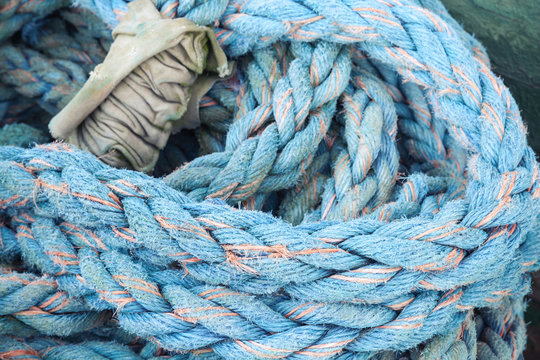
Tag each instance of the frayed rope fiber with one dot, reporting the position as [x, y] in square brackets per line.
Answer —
[361, 188]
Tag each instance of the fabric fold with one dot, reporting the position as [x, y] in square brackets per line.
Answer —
[148, 86]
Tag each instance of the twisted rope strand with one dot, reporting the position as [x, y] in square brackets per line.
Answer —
[242, 267]
[387, 255]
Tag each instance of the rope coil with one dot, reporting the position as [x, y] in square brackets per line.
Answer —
[365, 191]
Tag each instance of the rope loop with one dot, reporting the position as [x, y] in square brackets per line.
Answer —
[360, 188]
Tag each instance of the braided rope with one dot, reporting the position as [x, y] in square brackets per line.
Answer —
[501, 330]
[50, 82]
[328, 273]
[379, 263]
[14, 14]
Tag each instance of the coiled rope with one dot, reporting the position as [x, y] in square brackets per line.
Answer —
[363, 190]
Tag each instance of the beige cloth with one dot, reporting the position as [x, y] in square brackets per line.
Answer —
[149, 85]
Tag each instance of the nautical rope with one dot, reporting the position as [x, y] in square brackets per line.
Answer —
[364, 190]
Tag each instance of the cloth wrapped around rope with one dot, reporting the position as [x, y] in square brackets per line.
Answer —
[150, 83]
[362, 189]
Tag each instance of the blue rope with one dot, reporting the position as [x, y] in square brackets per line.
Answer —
[363, 190]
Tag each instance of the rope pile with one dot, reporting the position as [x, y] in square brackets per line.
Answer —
[361, 188]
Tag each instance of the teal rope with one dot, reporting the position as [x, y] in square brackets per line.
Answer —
[396, 160]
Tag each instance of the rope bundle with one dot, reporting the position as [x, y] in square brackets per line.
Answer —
[363, 190]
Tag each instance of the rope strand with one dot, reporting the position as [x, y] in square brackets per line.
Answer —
[395, 159]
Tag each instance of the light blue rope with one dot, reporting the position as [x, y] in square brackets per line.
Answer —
[375, 129]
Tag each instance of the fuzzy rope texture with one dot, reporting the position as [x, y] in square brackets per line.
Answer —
[363, 190]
